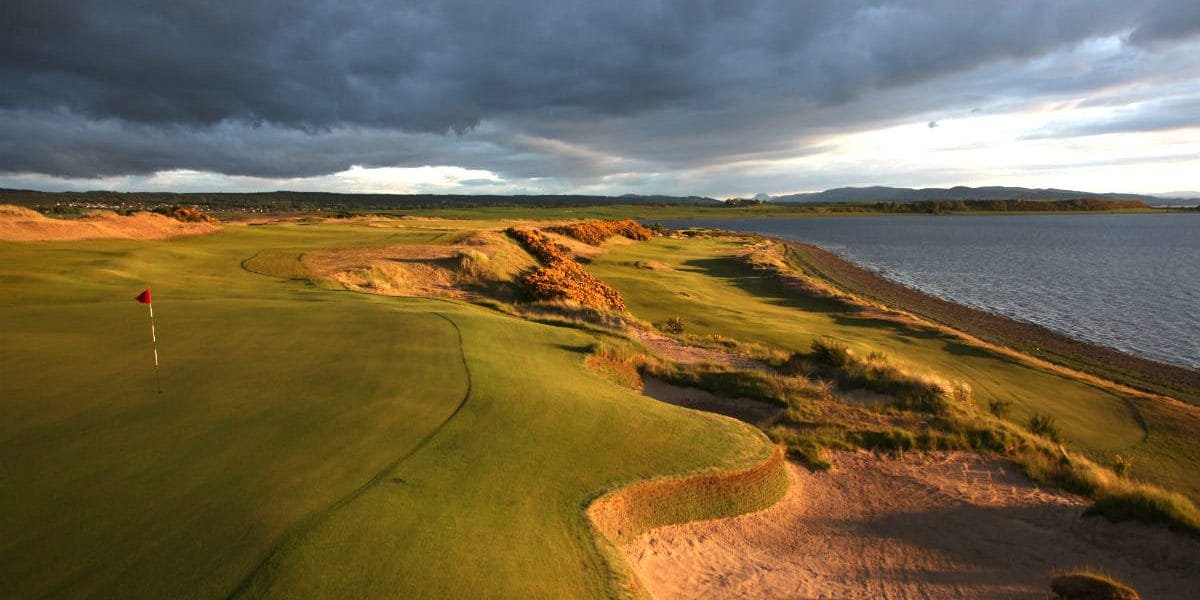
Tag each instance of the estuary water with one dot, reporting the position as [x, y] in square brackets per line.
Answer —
[1130, 282]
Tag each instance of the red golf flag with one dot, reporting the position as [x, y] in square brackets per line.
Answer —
[144, 297]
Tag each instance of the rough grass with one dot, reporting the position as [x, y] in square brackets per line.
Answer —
[717, 293]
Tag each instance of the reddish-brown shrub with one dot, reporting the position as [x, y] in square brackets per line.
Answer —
[560, 277]
[595, 232]
[186, 214]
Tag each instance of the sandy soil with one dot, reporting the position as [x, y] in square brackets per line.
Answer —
[401, 270]
[749, 410]
[671, 348]
[919, 526]
[24, 225]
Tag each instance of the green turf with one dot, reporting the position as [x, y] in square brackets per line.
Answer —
[309, 442]
[715, 293]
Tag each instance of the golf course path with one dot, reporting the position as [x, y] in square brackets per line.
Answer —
[945, 525]
[297, 531]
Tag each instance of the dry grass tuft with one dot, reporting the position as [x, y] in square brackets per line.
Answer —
[1086, 584]
[11, 210]
[23, 225]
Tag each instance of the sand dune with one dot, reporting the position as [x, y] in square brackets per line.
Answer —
[920, 526]
[23, 225]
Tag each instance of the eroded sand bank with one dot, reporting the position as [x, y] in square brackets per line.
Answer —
[920, 526]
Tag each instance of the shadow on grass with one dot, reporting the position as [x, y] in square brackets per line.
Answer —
[768, 288]
[762, 285]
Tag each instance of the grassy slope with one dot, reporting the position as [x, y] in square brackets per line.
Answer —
[715, 293]
[288, 412]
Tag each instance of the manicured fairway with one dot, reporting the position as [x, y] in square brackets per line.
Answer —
[713, 292]
[309, 442]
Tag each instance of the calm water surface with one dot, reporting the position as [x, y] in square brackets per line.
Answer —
[1131, 282]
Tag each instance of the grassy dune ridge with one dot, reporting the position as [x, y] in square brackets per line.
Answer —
[714, 291]
[1175, 381]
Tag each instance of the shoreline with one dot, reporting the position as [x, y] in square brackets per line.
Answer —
[1035, 340]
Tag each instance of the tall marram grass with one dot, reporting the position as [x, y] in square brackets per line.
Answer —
[914, 391]
[945, 418]
[956, 423]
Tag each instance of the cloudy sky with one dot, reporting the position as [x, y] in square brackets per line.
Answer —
[712, 98]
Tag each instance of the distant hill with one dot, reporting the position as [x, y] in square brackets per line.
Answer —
[289, 201]
[1185, 195]
[893, 194]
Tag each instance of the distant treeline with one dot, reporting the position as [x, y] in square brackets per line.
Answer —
[309, 201]
[944, 206]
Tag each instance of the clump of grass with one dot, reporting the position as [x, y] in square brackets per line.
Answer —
[1122, 465]
[475, 266]
[673, 325]
[921, 392]
[831, 352]
[1086, 584]
[1045, 426]
[732, 383]
[806, 448]
[1135, 501]
[767, 354]
[619, 360]
[1000, 407]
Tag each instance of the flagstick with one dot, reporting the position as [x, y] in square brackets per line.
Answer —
[154, 338]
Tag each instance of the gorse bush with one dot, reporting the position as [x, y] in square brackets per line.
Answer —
[595, 232]
[185, 214]
[560, 277]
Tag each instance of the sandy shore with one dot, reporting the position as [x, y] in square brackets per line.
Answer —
[1179, 382]
[920, 526]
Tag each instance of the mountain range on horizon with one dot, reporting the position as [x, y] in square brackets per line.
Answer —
[834, 195]
[898, 194]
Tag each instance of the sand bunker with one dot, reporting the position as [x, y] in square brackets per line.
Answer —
[23, 225]
[671, 348]
[920, 526]
[749, 410]
[421, 270]
[391, 270]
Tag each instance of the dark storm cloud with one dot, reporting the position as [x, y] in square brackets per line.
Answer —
[278, 89]
[1179, 113]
